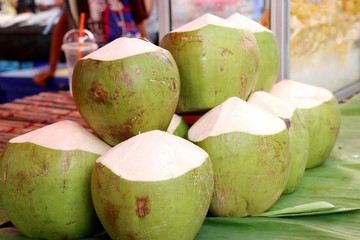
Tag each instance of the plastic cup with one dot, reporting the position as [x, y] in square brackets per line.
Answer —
[75, 47]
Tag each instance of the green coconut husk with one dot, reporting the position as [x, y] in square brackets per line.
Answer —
[178, 127]
[226, 57]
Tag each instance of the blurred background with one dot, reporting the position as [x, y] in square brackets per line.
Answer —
[319, 40]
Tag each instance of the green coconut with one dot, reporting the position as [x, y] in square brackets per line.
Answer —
[216, 60]
[126, 87]
[45, 181]
[321, 113]
[298, 134]
[178, 126]
[153, 186]
[269, 59]
[249, 150]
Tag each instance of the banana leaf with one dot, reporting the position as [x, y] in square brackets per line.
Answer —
[330, 226]
[352, 106]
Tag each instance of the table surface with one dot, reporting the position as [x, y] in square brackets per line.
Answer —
[26, 114]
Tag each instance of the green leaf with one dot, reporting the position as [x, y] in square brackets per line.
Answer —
[347, 147]
[330, 226]
[351, 107]
[305, 209]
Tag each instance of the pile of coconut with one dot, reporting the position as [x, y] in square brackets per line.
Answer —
[148, 174]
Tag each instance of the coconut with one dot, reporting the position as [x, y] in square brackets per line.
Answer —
[216, 60]
[249, 150]
[269, 59]
[45, 181]
[153, 186]
[321, 113]
[298, 133]
[126, 87]
[178, 126]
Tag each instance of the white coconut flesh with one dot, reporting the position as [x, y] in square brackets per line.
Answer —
[247, 23]
[235, 115]
[272, 104]
[153, 156]
[64, 135]
[122, 48]
[203, 21]
[175, 122]
[301, 95]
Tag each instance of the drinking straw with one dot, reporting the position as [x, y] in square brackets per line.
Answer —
[81, 34]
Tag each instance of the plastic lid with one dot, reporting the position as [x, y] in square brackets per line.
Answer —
[73, 36]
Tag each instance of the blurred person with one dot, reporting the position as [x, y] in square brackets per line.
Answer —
[134, 11]
[121, 18]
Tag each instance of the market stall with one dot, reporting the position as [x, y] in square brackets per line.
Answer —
[26, 36]
[227, 177]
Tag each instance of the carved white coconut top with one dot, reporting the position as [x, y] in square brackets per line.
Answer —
[64, 135]
[175, 121]
[235, 115]
[204, 20]
[247, 23]
[153, 156]
[122, 48]
[301, 95]
[272, 104]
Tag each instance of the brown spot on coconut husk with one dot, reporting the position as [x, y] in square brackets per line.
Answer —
[123, 131]
[64, 185]
[44, 166]
[66, 163]
[116, 95]
[243, 80]
[138, 71]
[4, 175]
[111, 215]
[97, 92]
[142, 208]
[264, 144]
[125, 77]
[226, 51]
[248, 42]
[21, 178]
